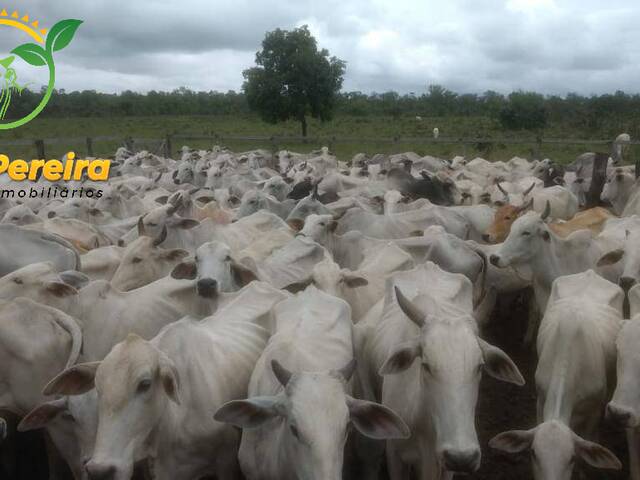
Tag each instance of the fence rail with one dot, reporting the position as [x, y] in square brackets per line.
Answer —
[165, 144]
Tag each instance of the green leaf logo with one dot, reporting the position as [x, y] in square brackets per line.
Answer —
[61, 34]
[32, 54]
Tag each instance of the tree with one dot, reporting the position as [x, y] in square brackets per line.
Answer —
[524, 111]
[293, 79]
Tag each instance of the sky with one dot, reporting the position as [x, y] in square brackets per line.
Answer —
[468, 46]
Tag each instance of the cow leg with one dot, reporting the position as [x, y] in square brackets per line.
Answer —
[397, 469]
[58, 469]
[633, 441]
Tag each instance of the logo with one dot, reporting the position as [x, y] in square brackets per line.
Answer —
[39, 54]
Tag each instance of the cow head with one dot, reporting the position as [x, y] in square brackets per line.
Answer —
[277, 188]
[618, 188]
[502, 221]
[554, 450]
[527, 238]
[316, 441]
[307, 206]
[451, 358]
[131, 402]
[319, 228]
[152, 223]
[20, 215]
[72, 423]
[628, 256]
[41, 283]
[144, 261]
[215, 270]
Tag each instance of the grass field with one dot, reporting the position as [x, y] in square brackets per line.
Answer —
[370, 128]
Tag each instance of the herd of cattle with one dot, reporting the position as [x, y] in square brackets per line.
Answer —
[293, 316]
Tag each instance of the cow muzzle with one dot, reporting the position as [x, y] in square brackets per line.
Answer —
[620, 416]
[207, 287]
[495, 260]
[100, 471]
[627, 282]
[461, 461]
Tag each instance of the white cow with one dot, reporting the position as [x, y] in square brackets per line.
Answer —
[624, 407]
[155, 398]
[427, 315]
[299, 408]
[576, 347]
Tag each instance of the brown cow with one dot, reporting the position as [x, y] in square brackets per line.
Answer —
[592, 219]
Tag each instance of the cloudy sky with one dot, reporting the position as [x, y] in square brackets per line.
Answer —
[551, 46]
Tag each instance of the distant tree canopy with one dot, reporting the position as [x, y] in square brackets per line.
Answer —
[293, 79]
[518, 110]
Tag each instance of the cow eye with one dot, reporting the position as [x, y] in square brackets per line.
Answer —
[507, 218]
[136, 260]
[18, 281]
[322, 224]
[294, 431]
[228, 258]
[15, 218]
[144, 385]
[526, 234]
[152, 224]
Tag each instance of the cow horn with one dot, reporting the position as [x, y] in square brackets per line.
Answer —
[504, 192]
[346, 372]
[528, 190]
[547, 211]
[141, 230]
[282, 374]
[161, 237]
[525, 206]
[409, 309]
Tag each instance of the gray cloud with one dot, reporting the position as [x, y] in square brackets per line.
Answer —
[553, 46]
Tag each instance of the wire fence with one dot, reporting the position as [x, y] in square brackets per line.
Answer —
[169, 145]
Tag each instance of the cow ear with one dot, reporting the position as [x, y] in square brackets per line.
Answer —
[74, 278]
[174, 254]
[187, 223]
[233, 201]
[298, 286]
[170, 378]
[401, 358]
[333, 225]
[353, 280]
[614, 256]
[185, 271]
[94, 212]
[162, 199]
[42, 414]
[376, 421]
[242, 274]
[296, 224]
[249, 413]
[546, 236]
[60, 289]
[499, 365]
[514, 441]
[74, 380]
[595, 455]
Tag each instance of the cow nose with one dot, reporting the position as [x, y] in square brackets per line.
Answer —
[486, 237]
[620, 416]
[461, 461]
[627, 282]
[207, 286]
[100, 471]
[494, 259]
[51, 214]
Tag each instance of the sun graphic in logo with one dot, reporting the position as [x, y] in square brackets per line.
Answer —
[38, 54]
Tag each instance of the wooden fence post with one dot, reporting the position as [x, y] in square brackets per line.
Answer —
[89, 147]
[598, 178]
[40, 149]
[167, 146]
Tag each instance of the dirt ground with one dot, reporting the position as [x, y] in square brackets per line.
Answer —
[501, 407]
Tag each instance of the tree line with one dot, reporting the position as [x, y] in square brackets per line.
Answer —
[518, 110]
